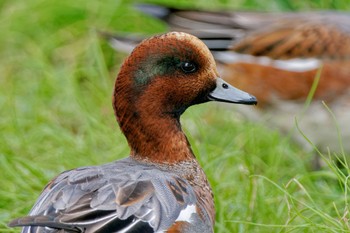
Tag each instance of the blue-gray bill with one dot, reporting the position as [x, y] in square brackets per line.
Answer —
[224, 92]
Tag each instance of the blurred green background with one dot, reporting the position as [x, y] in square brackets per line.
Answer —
[56, 79]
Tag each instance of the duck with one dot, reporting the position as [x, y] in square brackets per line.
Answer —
[296, 63]
[160, 186]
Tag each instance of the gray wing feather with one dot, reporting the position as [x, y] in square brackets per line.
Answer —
[115, 196]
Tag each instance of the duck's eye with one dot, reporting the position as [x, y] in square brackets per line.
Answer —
[188, 67]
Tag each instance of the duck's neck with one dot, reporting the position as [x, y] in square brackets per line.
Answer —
[156, 137]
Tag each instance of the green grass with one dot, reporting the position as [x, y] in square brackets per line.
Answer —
[55, 103]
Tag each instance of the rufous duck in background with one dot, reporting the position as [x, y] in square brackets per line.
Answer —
[160, 187]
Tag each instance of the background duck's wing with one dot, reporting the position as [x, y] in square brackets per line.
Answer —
[122, 42]
[324, 35]
[277, 35]
[117, 197]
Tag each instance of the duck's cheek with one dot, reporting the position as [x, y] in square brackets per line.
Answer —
[197, 94]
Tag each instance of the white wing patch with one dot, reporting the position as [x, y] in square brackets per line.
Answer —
[295, 65]
[185, 214]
